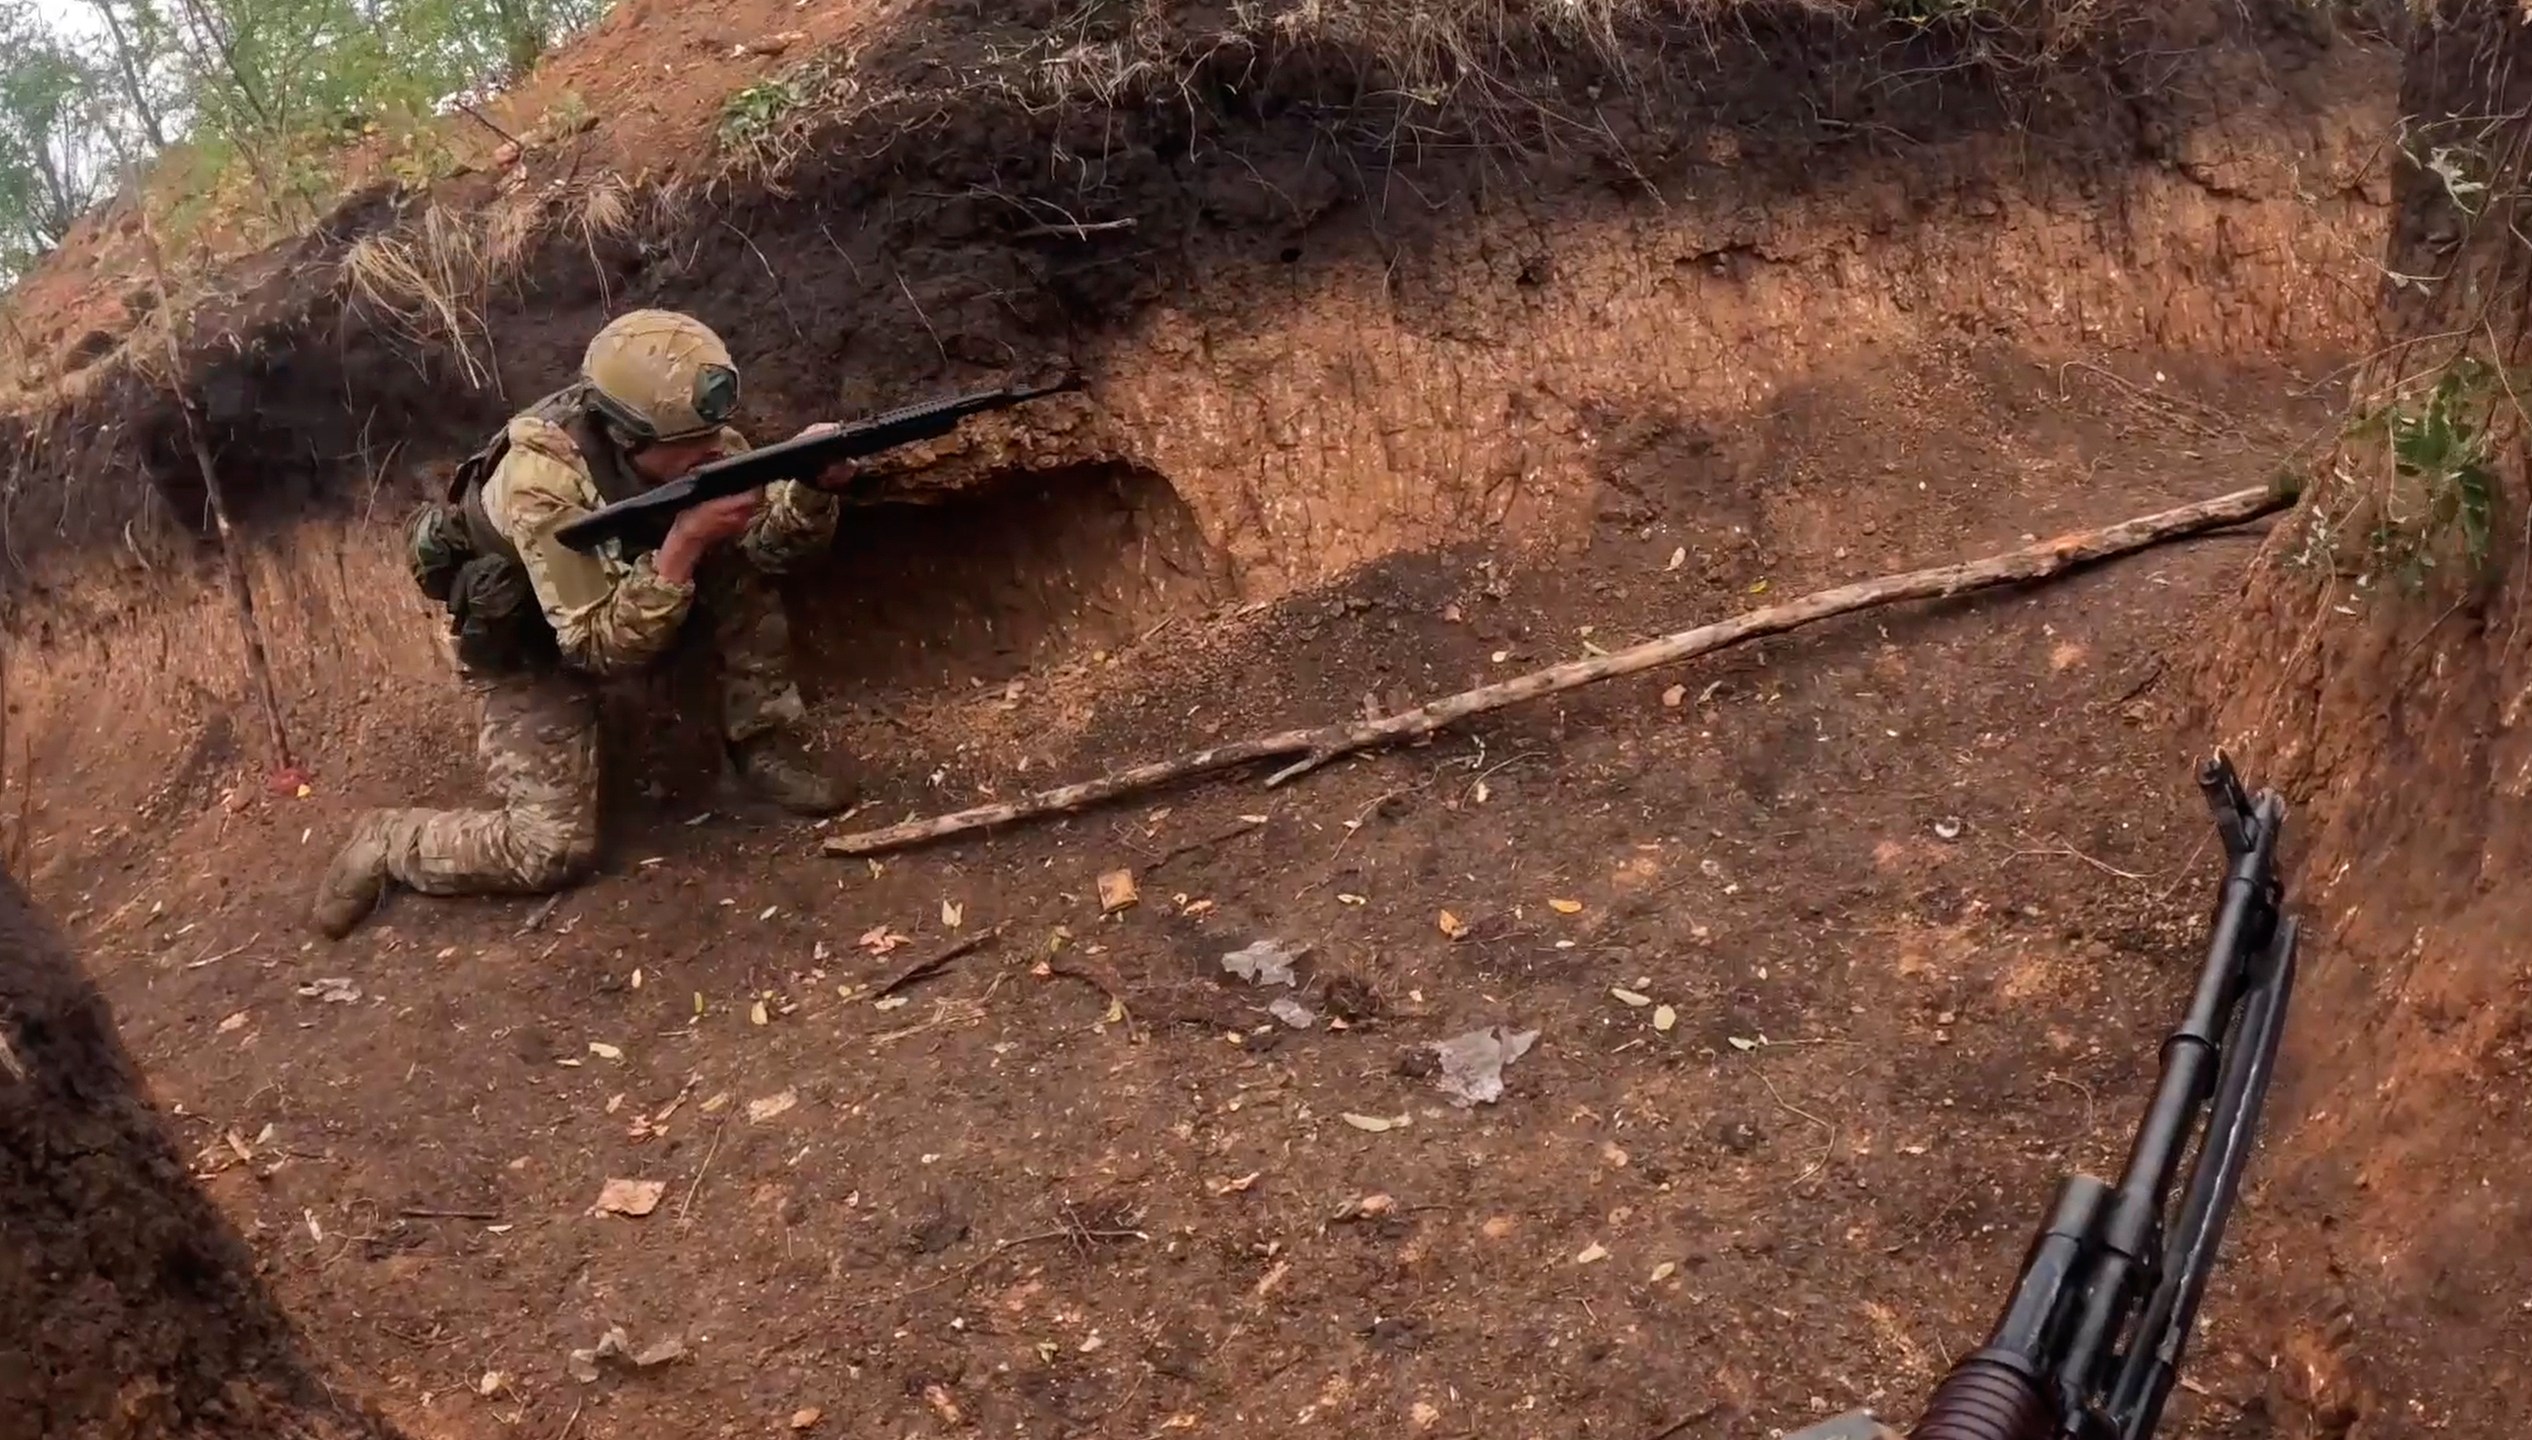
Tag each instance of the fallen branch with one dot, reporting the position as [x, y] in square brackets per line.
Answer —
[925, 969]
[286, 776]
[1315, 746]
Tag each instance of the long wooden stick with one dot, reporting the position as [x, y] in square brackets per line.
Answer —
[1317, 745]
[259, 669]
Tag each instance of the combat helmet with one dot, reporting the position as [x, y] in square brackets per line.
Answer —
[659, 375]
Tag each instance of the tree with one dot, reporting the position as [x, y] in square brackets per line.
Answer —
[128, 1308]
[52, 161]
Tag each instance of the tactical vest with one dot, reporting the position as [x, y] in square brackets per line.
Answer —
[461, 560]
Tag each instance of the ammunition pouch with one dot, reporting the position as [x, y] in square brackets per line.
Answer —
[493, 615]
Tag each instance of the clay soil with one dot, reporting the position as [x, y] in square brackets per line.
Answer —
[1922, 891]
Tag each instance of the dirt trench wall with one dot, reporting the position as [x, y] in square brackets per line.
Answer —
[1317, 366]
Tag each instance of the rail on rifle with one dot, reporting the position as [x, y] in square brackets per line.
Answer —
[2090, 1341]
[645, 518]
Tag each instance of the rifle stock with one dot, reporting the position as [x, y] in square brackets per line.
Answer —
[643, 519]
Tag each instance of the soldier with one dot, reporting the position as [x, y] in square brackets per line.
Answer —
[536, 623]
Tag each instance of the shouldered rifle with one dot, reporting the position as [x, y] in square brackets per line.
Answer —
[646, 517]
[2089, 1344]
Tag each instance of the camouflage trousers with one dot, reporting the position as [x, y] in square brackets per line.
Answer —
[539, 744]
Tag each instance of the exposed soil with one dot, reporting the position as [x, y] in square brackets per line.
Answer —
[1011, 1202]
[1367, 421]
[133, 1309]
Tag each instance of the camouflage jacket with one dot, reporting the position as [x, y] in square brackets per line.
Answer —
[612, 613]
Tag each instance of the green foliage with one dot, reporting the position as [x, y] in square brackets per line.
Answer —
[2441, 496]
[267, 91]
[750, 116]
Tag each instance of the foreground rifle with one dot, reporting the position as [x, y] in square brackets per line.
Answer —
[2089, 1345]
[645, 518]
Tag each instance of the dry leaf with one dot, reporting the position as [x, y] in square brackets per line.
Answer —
[1236, 1186]
[1592, 1254]
[1631, 999]
[1376, 1124]
[756, 1014]
[1740, 1044]
[760, 1111]
[1678, 558]
[1344, 898]
[889, 1002]
[1565, 907]
[233, 1022]
[879, 940]
[1453, 926]
[630, 1197]
[1117, 890]
[806, 1416]
[605, 1051]
[952, 913]
[1664, 1017]
[1759, 589]
[1675, 696]
[1664, 1271]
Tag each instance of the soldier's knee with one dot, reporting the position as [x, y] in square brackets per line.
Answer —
[550, 862]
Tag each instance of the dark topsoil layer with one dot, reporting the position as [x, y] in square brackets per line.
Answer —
[1231, 151]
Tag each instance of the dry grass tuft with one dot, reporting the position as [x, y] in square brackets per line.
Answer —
[430, 286]
[511, 232]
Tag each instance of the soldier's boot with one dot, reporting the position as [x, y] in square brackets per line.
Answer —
[355, 882]
[778, 767]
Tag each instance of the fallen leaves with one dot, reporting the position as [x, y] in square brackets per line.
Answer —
[633, 1198]
[1632, 999]
[1377, 1124]
[1565, 907]
[952, 913]
[1592, 1254]
[1452, 926]
[761, 1110]
[1117, 890]
[605, 1051]
[879, 940]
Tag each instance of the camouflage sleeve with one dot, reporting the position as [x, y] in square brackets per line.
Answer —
[610, 615]
[796, 524]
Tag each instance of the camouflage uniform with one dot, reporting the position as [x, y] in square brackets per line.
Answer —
[609, 615]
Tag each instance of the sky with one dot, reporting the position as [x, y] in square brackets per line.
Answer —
[71, 17]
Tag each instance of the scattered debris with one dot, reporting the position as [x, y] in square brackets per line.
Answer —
[1236, 1186]
[635, 1198]
[879, 940]
[1264, 962]
[1117, 891]
[331, 990]
[1367, 1207]
[1472, 1064]
[925, 969]
[1292, 1012]
[615, 1345]
[760, 1111]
